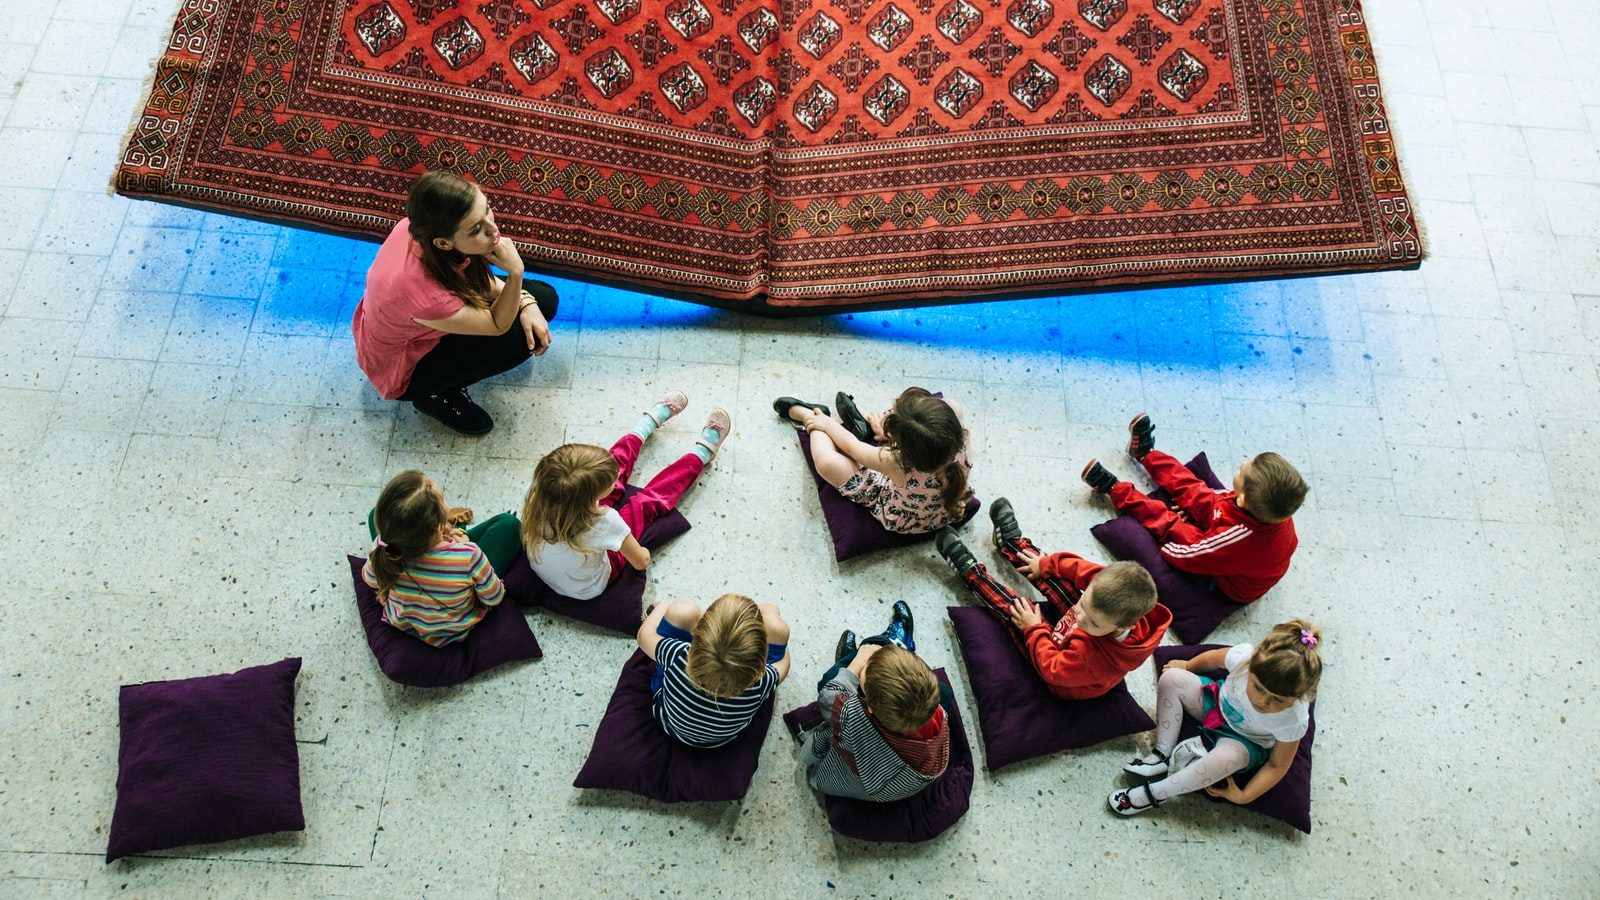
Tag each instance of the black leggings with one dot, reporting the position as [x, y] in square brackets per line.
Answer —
[462, 359]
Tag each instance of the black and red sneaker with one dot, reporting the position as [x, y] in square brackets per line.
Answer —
[1140, 436]
[1098, 477]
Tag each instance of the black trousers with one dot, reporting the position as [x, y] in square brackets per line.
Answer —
[463, 359]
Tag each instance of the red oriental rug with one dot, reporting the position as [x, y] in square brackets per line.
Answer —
[804, 153]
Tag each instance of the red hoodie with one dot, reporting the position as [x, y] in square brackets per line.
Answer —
[1075, 664]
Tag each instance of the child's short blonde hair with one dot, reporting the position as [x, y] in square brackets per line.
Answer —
[1273, 489]
[560, 503]
[729, 651]
[1287, 660]
[899, 689]
[1124, 592]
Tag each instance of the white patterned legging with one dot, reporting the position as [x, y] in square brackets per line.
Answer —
[1178, 692]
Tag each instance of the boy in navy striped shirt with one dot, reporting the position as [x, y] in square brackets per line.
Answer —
[714, 671]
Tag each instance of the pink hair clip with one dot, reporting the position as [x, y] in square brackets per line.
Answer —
[379, 541]
[1307, 638]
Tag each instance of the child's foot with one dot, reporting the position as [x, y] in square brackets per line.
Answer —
[953, 550]
[459, 516]
[1098, 477]
[670, 404]
[1140, 436]
[846, 645]
[784, 407]
[1150, 765]
[901, 627]
[1006, 529]
[712, 435]
[1125, 802]
[850, 416]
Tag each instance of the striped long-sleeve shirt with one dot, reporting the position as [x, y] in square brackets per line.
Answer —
[695, 717]
[850, 755]
[442, 594]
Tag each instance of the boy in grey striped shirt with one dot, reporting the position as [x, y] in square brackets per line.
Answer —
[714, 671]
[883, 735]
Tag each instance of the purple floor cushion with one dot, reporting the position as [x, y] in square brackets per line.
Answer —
[207, 759]
[631, 753]
[854, 531]
[503, 636]
[1197, 607]
[1289, 800]
[620, 607]
[1019, 717]
[915, 819]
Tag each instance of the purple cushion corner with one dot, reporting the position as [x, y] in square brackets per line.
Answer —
[1018, 716]
[632, 753]
[502, 636]
[1289, 801]
[206, 759]
[1197, 606]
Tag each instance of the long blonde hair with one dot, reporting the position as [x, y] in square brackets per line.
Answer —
[729, 651]
[560, 505]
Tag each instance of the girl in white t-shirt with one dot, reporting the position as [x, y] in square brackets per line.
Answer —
[577, 527]
[1251, 721]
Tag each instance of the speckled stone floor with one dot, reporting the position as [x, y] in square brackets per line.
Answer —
[187, 450]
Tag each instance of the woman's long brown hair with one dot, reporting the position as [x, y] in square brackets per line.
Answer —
[436, 206]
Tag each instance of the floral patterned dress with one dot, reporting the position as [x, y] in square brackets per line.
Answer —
[913, 507]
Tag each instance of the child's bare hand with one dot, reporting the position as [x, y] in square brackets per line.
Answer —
[876, 421]
[457, 534]
[1024, 614]
[1176, 664]
[1181, 512]
[1227, 790]
[1030, 567]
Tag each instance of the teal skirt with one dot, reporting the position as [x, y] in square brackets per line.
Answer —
[1213, 726]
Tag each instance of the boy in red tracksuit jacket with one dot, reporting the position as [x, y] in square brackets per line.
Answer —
[1242, 538]
[1101, 622]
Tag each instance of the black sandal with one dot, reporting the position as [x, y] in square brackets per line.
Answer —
[782, 405]
[852, 419]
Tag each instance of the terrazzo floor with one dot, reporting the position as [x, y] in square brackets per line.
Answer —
[187, 451]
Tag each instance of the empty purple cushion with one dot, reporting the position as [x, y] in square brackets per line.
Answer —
[620, 607]
[1289, 800]
[502, 636]
[631, 753]
[207, 759]
[1197, 606]
[1019, 717]
[922, 817]
[855, 532]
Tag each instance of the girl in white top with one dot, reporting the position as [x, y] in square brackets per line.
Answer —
[580, 529]
[1251, 721]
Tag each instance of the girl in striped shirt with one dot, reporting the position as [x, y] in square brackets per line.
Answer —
[433, 579]
[714, 671]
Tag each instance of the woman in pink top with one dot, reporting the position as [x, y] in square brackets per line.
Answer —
[434, 318]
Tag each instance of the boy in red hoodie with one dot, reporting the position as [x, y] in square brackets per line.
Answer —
[1242, 538]
[1101, 622]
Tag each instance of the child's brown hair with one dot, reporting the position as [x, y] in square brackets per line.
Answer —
[899, 689]
[1273, 489]
[1124, 592]
[729, 651]
[925, 435]
[1287, 661]
[435, 207]
[409, 516]
[560, 504]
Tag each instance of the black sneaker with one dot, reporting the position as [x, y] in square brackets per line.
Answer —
[901, 618]
[852, 419]
[456, 411]
[1140, 436]
[846, 645]
[1098, 477]
[1006, 529]
[953, 550]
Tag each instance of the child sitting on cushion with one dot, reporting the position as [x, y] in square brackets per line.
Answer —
[577, 529]
[1242, 538]
[1101, 623]
[714, 670]
[432, 580]
[884, 734]
[1251, 722]
[916, 482]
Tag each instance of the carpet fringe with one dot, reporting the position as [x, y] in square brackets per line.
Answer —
[146, 85]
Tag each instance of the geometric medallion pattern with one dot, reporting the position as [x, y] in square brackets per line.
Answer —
[804, 153]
